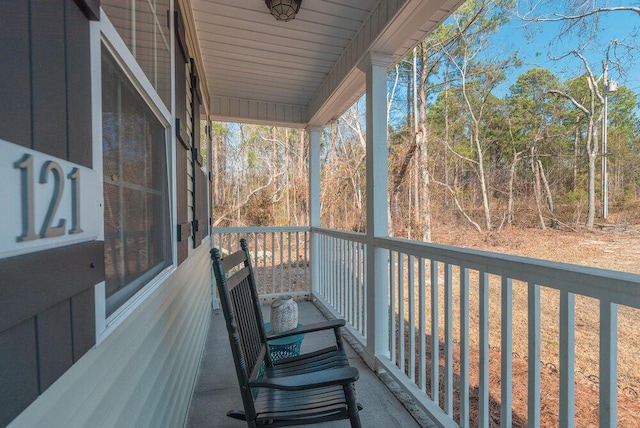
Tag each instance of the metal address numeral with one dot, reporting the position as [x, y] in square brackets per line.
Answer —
[26, 180]
[25, 164]
[74, 176]
[58, 187]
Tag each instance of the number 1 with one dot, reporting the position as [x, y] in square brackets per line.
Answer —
[26, 177]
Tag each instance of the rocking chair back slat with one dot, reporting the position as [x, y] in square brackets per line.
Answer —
[246, 323]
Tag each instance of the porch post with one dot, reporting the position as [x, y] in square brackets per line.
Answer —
[314, 204]
[377, 315]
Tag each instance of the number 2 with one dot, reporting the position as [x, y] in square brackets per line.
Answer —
[25, 164]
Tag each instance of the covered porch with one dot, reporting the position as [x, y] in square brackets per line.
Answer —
[442, 322]
[216, 390]
[426, 316]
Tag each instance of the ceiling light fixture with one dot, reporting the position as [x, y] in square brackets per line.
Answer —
[283, 10]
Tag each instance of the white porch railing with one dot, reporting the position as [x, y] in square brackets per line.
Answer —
[424, 282]
[343, 277]
[279, 256]
[440, 303]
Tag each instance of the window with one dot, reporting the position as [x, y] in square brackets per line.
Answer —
[136, 202]
[144, 27]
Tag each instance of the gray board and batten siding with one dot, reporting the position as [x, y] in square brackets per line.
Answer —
[47, 313]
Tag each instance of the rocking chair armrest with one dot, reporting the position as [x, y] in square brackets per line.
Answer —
[310, 328]
[318, 379]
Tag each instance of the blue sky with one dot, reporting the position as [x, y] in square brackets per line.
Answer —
[538, 42]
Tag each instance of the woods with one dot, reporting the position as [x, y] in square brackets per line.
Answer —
[478, 136]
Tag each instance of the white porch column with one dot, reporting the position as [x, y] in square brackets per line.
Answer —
[314, 204]
[375, 67]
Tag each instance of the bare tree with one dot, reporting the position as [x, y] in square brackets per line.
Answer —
[592, 112]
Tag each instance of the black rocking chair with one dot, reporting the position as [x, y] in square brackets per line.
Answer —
[305, 389]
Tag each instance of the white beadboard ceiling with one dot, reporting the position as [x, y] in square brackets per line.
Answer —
[302, 72]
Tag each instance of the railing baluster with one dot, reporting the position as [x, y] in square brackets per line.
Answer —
[567, 358]
[363, 288]
[351, 283]
[358, 289]
[533, 308]
[464, 347]
[336, 275]
[608, 411]
[343, 278]
[483, 348]
[256, 262]
[280, 250]
[289, 261]
[265, 261]
[392, 304]
[273, 262]
[422, 369]
[323, 269]
[365, 299]
[338, 283]
[506, 362]
[306, 261]
[448, 340]
[401, 310]
[297, 263]
[330, 266]
[348, 281]
[412, 321]
[435, 334]
[334, 256]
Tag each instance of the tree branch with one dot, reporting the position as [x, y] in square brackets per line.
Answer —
[556, 17]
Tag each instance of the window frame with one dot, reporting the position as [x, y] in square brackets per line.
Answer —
[104, 35]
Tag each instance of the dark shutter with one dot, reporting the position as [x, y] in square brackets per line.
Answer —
[200, 219]
[15, 74]
[183, 143]
[183, 226]
[49, 312]
[204, 205]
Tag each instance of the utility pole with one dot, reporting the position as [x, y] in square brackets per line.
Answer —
[607, 86]
[605, 181]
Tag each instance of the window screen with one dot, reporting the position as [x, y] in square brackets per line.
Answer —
[136, 210]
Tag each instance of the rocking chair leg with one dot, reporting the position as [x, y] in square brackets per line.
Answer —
[352, 406]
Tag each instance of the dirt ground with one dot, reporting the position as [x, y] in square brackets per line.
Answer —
[611, 247]
[614, 247]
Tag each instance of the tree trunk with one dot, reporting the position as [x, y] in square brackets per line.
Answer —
[215, 171]
[421, 141]
[547, 190]
[512, 175]
[482, 177]
[592, 153]
[576, 154]
[536, 186]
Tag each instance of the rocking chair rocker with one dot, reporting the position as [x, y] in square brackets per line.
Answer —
[305, 389]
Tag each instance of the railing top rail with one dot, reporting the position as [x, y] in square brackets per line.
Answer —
[260, 229]
[603, 284]
[341, 234]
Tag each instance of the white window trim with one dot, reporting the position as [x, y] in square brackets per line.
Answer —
[103, 32]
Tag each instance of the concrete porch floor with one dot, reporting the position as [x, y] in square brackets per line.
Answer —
[217, 391]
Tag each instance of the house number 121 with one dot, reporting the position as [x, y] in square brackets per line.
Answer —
[27, 183]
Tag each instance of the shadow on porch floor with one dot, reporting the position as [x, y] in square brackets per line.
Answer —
[217, 391]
